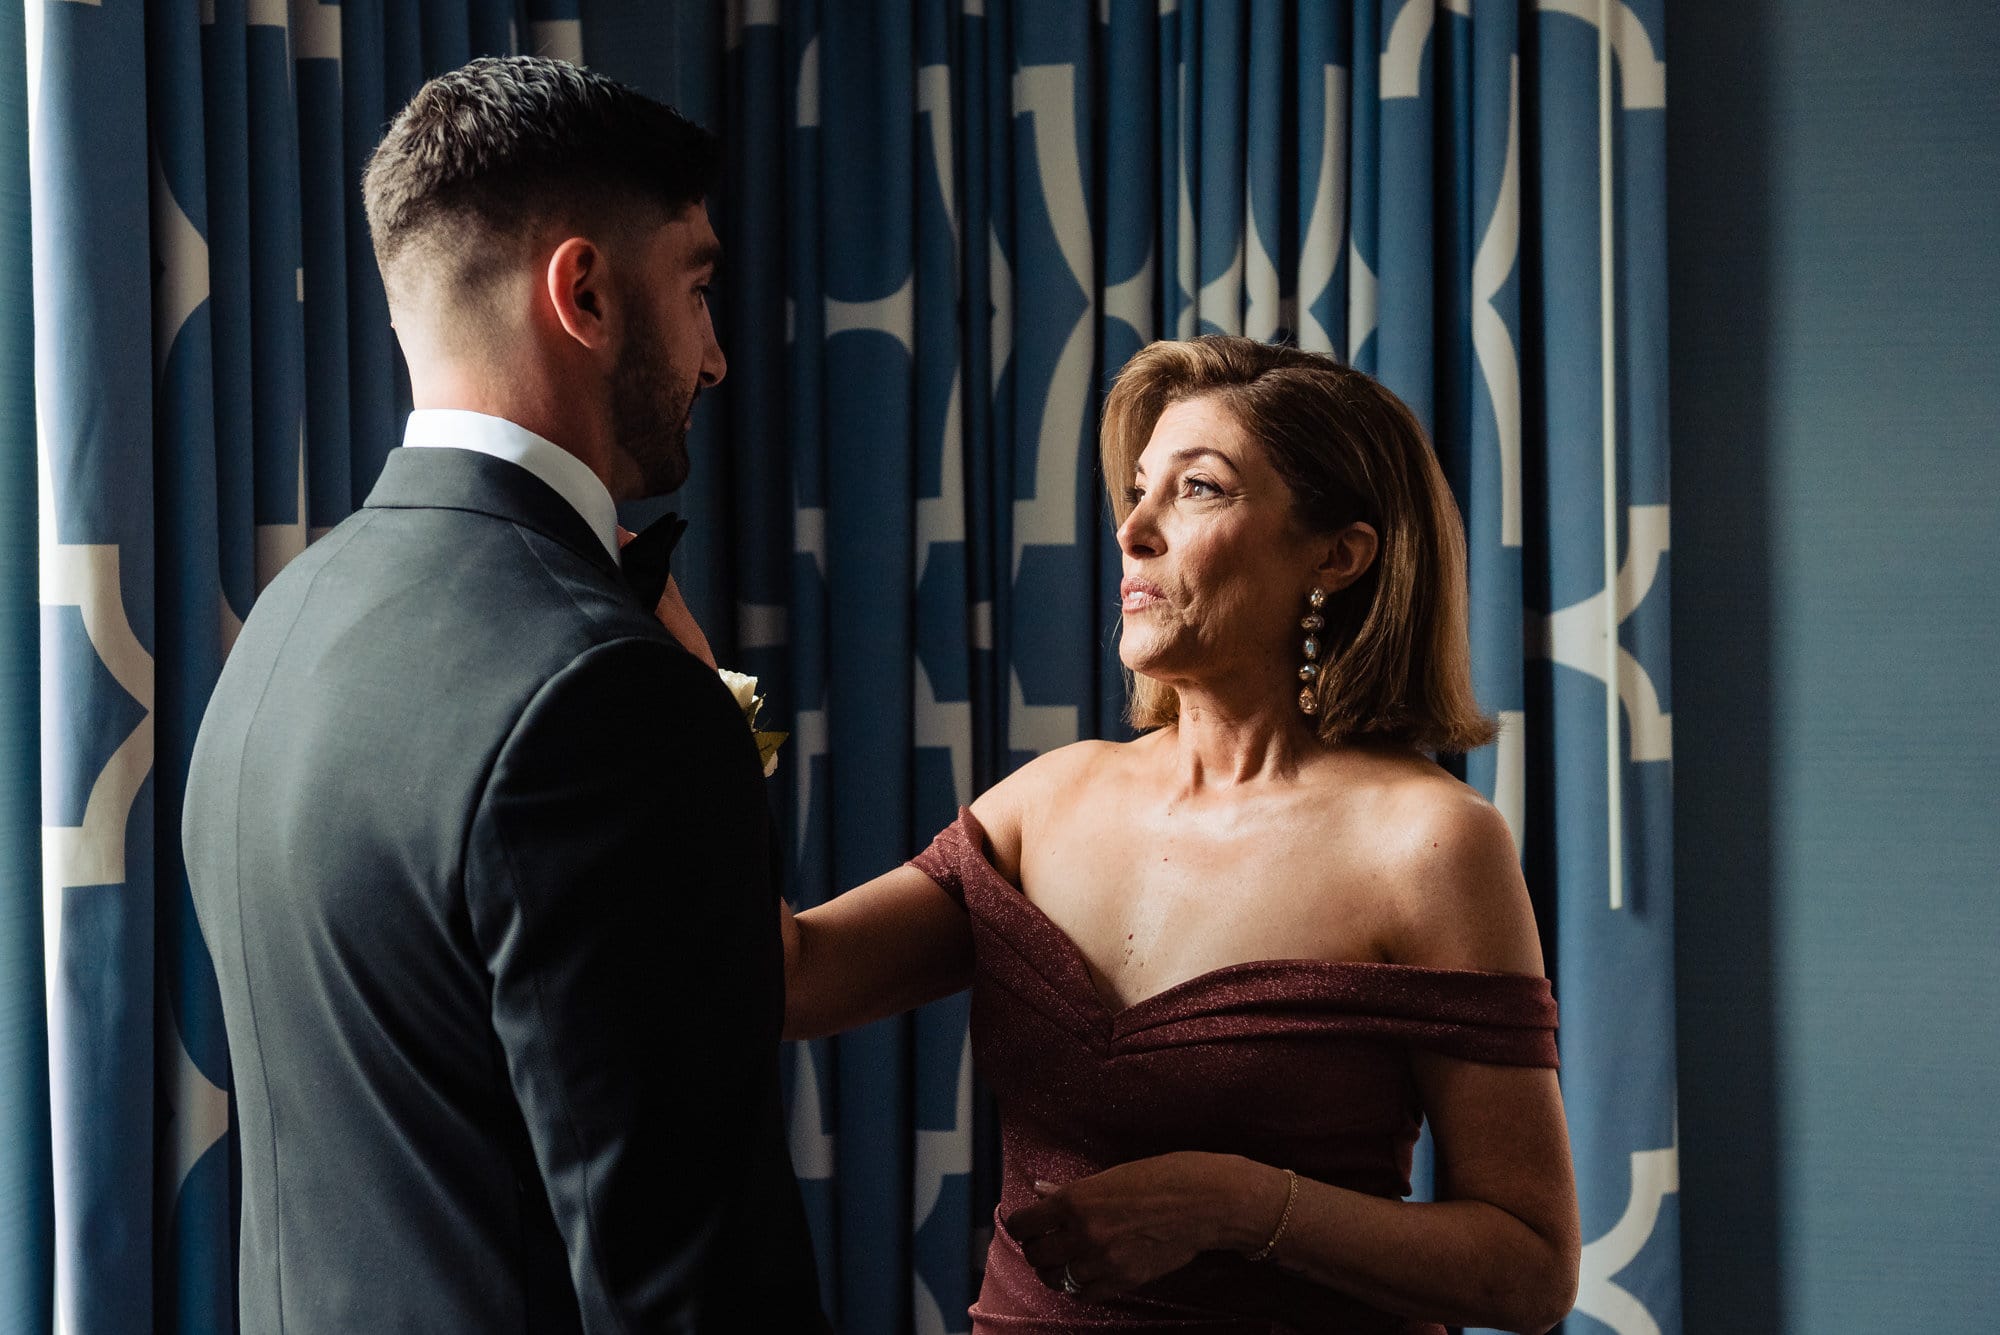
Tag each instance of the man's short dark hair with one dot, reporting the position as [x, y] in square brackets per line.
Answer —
[491, 153]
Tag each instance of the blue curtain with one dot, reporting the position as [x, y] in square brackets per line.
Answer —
[215, 382]
[948, 225]
[26, 1260]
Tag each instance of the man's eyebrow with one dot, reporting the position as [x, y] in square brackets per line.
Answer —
[707, 255]
[1182, 456]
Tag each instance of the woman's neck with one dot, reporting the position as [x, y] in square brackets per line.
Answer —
[1223, 741]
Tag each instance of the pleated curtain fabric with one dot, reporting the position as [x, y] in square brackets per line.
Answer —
[948, 225]
[215, 383]
[25, 1229]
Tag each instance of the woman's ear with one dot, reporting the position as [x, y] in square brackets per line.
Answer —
[1347, 556]
[575, 282]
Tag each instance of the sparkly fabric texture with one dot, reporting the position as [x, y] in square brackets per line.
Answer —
[1298, 1063]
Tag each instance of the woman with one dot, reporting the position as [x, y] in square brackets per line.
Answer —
[1221, 972]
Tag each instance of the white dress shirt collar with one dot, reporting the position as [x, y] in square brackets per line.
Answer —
[566, 475]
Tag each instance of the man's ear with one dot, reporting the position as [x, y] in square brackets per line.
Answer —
[1347, 556]
[575, 279]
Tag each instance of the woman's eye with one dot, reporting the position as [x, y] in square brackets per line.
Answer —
[1199, 486]
[1133, 495]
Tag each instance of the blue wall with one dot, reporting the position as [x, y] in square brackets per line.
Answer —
[1835, 232]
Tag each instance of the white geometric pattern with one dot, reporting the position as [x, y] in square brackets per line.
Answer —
[1492, 341]
[809, 741]
[1362, 300]
[1037, 728]
[1319, 247]
[200, 1110]
[183, 255]
[1048, 517]
[943, 724]
[86, 576]
[1131, 300]
[560, 39]
[1655, 1175]
[1263, 307]
[315, 30]
[894, 315]
[1640, 70]
[1574, 636]
[1403, 54]
[1000, 327]
[807, 99]
[812, 1146]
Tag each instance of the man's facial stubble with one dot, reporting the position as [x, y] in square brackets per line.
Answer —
[649, 415]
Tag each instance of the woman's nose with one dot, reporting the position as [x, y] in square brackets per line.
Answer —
[1137, 536]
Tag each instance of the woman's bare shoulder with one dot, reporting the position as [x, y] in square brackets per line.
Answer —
[1018, 802]
[1447, 859]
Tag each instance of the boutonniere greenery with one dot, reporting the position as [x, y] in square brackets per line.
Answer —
[744, 688]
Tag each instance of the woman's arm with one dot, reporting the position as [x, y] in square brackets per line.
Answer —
[899, 941]
[1499, 1248]
[1497, 1254]
[884, 947]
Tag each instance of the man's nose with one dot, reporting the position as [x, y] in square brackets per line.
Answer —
[713, 364]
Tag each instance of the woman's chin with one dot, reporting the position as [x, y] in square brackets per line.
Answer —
[1146, 660]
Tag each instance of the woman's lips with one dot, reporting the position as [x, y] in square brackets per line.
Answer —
[1136, 595]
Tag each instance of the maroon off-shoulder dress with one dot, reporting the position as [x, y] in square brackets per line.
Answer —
[1303, 1064]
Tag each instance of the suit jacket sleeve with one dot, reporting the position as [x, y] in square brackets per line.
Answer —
[619, 890]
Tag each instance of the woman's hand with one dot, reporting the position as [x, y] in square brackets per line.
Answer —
[674, 614]
[680, 623]
[1112, 1232]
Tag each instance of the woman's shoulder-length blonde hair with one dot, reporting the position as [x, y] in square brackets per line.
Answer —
[1397, 666]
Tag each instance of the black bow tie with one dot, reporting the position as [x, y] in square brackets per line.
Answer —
[648, 558]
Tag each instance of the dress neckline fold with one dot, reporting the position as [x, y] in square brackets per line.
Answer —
[1356, 979]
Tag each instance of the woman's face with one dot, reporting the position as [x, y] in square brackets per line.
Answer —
[1216, 567]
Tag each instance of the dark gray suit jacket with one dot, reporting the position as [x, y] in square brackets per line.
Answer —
[483, 859]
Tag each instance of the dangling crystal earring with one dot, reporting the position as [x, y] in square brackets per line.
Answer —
[1312, 623]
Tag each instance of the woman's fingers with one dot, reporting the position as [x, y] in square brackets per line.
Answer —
[1052, 1249]
[1086, 1281]
[1077, 1279]
[1046, 1215]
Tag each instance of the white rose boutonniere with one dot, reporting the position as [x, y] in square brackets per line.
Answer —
[744, 689]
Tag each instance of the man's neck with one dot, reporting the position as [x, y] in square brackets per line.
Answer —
[527, 401]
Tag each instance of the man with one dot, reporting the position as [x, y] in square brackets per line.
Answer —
[479, 848]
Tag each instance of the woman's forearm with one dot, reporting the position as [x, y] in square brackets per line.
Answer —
[1460, 1262]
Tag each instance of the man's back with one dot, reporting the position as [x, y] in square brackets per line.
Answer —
[482, 857]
